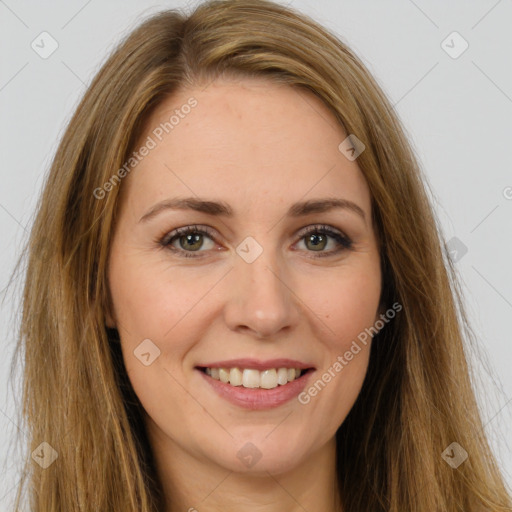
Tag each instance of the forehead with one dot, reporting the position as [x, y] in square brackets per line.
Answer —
[245, 141]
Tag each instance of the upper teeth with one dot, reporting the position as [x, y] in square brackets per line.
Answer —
[249, 378]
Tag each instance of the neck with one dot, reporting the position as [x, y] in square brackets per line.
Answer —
[191, 484]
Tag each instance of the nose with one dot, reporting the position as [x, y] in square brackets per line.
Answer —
[261, 300]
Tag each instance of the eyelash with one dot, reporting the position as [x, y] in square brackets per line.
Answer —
[344, 242]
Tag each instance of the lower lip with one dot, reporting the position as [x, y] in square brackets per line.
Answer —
[257, 398]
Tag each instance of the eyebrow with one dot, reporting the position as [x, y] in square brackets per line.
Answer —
[220, 208]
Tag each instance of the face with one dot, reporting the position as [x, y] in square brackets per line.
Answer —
[238, 308]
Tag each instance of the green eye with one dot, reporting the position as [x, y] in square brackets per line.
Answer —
[317, 238]
[189, 238]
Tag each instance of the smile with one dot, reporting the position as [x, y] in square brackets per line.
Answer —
[254, 384]
[251, 378]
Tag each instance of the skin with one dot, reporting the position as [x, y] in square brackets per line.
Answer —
[260, 147]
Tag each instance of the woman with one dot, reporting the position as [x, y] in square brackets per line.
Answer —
[238, 289]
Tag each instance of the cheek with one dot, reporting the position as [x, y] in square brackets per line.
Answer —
[347, 303]
[151, 299]
[348, 308]
[168, 306]
[155, 303]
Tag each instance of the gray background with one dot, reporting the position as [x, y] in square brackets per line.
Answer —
[457, 112]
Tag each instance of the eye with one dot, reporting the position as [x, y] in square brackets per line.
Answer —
[317, 238]
[188, 240]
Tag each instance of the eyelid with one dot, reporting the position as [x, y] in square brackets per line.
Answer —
[313, 228]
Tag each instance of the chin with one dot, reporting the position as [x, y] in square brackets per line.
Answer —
[258, 455]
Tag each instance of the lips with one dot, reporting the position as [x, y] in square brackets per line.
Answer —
[256, 384]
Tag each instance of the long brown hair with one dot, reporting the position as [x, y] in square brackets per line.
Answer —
[417, 397]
